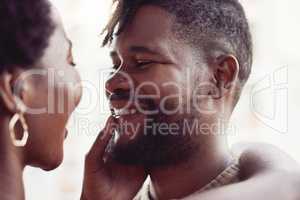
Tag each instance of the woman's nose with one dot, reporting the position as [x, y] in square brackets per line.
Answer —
[77, 89]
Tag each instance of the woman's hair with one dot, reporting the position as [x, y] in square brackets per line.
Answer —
[25, 28]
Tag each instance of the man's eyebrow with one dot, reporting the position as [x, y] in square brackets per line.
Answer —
[137, 49]
[143, 49]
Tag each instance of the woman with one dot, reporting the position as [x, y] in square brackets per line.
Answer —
[39, 89]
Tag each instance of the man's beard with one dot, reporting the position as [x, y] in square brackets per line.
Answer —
[152, 149]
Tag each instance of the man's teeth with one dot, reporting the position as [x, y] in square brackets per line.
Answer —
[120, 112]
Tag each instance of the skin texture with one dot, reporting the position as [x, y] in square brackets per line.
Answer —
[47, 131]
[171, 62]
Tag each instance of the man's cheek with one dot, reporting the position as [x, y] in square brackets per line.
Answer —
[172, 104]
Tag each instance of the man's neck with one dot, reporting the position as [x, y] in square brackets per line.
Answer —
[11, 168]
[184, 179]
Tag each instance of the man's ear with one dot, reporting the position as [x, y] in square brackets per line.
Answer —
[225, 73]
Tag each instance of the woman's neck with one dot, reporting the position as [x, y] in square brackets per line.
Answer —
[11, 167]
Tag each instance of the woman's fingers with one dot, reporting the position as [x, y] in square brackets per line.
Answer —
[94, 158]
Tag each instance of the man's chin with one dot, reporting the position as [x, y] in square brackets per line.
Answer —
[150, 148]
[126, 140]
[128, 148]
[130, 128]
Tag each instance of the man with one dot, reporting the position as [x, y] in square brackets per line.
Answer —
[180, 67]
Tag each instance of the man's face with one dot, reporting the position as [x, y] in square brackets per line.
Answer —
[151, 90]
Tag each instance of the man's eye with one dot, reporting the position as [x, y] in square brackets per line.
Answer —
[143, 63]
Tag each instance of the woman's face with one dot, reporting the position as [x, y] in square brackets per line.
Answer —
[51, 91]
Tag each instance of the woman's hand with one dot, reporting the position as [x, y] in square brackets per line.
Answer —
[106, 179]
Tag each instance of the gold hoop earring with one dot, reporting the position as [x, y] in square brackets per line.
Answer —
[22, 142]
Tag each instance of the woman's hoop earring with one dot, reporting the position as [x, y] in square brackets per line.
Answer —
[22, 142]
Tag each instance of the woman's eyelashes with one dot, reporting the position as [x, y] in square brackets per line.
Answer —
[73, 64]
[70, 59]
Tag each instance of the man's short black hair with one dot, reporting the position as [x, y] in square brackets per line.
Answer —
[205, 24]
[25, 28]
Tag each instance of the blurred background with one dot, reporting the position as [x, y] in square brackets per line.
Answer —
[267, 112]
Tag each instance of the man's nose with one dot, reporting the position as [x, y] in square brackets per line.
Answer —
[119, 81]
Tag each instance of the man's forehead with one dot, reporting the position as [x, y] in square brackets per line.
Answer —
[151, 49]
[150, 25]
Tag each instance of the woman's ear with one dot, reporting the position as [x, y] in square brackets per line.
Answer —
[9, 100]
[6, 92]
[226, 73]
